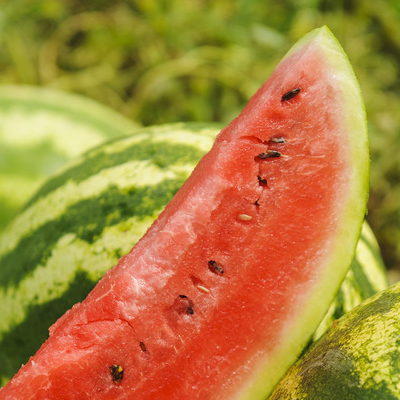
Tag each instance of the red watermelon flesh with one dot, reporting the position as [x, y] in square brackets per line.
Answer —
[225, 289]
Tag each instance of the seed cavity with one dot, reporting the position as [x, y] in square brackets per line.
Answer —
[262, 181]
[278, 140]
[199, 284]
[290, 94]
[269, 154]
[183, 305]
[117, 373]
[216, 268]
[245, 217]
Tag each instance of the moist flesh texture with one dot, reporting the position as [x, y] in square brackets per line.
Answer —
[178, 326]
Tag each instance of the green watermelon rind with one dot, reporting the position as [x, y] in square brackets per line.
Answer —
[357, 358]
[115, 174]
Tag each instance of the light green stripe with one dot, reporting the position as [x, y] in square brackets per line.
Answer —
[372, 267]
[350, 297]
[135, 173]
[30, 101]
[69, 255]
[178, 133]
[368, 236]
[60, 130]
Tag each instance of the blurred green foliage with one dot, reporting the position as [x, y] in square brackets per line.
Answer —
[161, 61]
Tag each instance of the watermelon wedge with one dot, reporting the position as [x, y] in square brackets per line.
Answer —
[222, 293]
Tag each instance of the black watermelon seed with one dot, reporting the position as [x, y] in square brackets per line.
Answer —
[290, 94]
[143, 346]
[269, 154]
[256, 203]
[189, 310]
[117, 373]
[213, 266]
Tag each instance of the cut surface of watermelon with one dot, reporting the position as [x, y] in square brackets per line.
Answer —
[219, 297]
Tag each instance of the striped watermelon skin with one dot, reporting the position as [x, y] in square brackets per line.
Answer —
[40, 130]
[89, 214]
[358, 358]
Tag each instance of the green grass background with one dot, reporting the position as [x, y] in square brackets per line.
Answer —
[159, 61]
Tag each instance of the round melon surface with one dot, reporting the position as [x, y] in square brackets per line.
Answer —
[357, 359]
[91, 212]
[40, 129]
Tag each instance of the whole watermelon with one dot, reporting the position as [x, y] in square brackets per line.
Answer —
[357, 359]
[90, 213]
[40, 129]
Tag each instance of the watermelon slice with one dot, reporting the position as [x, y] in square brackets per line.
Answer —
[220, 296]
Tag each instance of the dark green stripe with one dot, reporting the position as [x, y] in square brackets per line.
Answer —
[339, 305]
[7, 211]
[86, 219]
[331, 374]
[161, 154]
[23, 340]
[361, 281]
